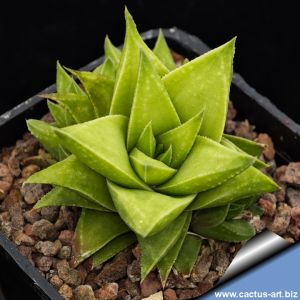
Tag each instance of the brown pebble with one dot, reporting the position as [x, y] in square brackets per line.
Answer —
[150, 285]
[268, 207]
[258, 223]
[134, 271]
[29, 170]
[245, 129]
[294, 231]
[220, 261]
[44, 230]
[32, 192]
[83, 292]
[136, 251]
[66, 292]
[13, 204]
[109, 291]
[81, 271]
[65, 219]
[170, 294]
[132, 288]
[67, 274]
[295, 215]
[292, 174]
[178, 281]
[44, 263]
[32, 216]
[27, 252]
[65, 252]
[6, 180]
[281, 220]
[91, 280]
[50, 213]
[48, 248]
[56, 281]
[293, 197]
[269, 151]
[14, 166]
[66, 237]
[19, 237]
[212, 277]
[28, 229]
[202, 265]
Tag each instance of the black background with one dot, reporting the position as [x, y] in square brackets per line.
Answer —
[34, 34]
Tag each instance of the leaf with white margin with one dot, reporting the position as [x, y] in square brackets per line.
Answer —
[150, 170]
[147, 213]
[113, 248]
[147, 142]
[45, 134]
[95, 230]
[201, 83]
[79, 106]
[188, 254]
[208, 165]
[182, 139]
[166, 263]
[73, 174]
[60, 196]
[249, 183]
[151, 103]
[112, 52]
[162, 51]
[155, 247]
[99, 88]
[128, 69]
[100, 144]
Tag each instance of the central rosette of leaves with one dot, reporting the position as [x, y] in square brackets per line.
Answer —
[141, 147]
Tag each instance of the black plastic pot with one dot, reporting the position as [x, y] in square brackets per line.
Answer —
[16, 273]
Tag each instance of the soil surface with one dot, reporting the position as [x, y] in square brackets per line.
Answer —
[45, 235]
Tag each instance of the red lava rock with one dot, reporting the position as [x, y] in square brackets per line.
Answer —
[29, 170]
[293, 197]
[150, 285]
[56, 281]
[170, 294]
[20, 237]
[50, 213]
[44, 263]
[65, 252]
[268, 207]
[134, 271]
[115, 269]
[13, 204]
[32, 216]
[66, 237]
[48, 248]
[281, 220]
[292, 174]
[132, 288]
[269, 151]
[202, 265]
[28, 229]
[6, 180]
[83, 292]
[108, 291]
[66, 292]
[245, 129]
[295, 215]
[44, 230]
[32, 192]
[177, 281]
[67, 274]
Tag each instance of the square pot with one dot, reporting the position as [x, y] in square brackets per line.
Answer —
[17, 272]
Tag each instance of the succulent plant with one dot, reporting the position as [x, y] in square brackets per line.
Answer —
[141, 149]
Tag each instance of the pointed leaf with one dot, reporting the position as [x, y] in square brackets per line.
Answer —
[234, 210]
[209, 164]
[230, 231]
[146, 213]
[209, 217]
[113, 248]
[204, 83]
[146, 142]
[188, 254]
[79, 106]
[94, 230]
[151, 102]
[60, 196]
[107, 69]
[99, 89]
[111, 52]
[150, 170]
[58, 114]
[128, 68]
[72, 174]
[65, 83]
[100, 144]
[246, 145]
[249, 183]
[162, 51]
[166, 263]
[182, 139]
[155, 247]
[44, 132]
[166, 157]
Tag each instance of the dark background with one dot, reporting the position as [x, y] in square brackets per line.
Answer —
[34, 34]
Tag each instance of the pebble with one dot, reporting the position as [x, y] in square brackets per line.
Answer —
[170, 294]
[66, 292]
[83, 292]
[220, 262]
[50, 213]
[44, 263]
[44, 230]
[156, 296]
[292, 174]
[202, 265]
[132, 288]
[32, 192]
[19, 237]
[65, 252]
[32, 216]
[293, 197]
[29, 170]
[177, 281]
[108, 291]
[13, 204]
[134, 271]
[6, 180]
[67, 274]
[56, 281]
[66, 237]
[268, 207]
[281, 220]
[150, 285]
[269, 151]
[245, 129]
[295, 215]
[48, 248]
